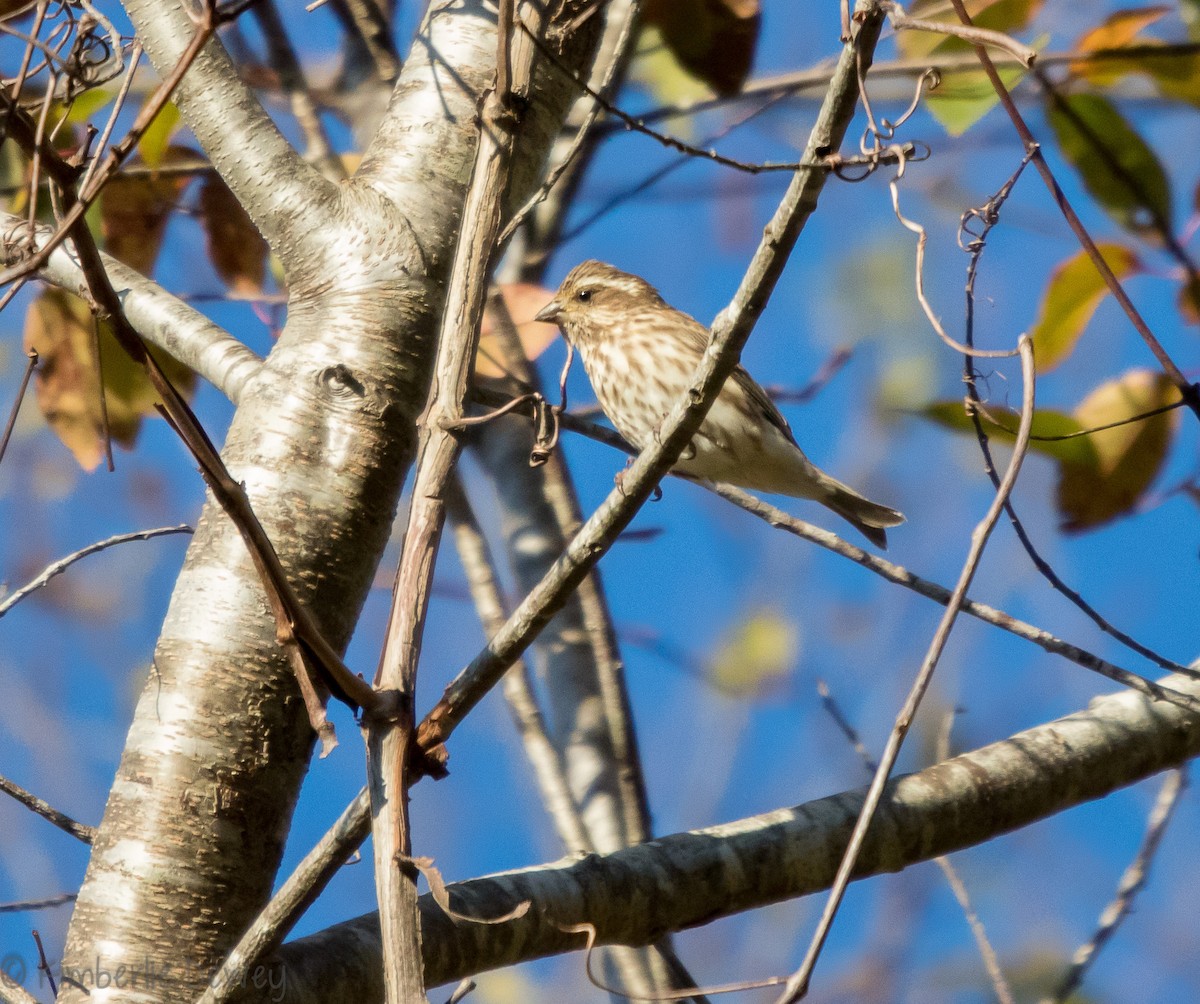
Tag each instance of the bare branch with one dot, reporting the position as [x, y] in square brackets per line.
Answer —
[60, 566]
[686, 879]
[797, 986]
[79, 831]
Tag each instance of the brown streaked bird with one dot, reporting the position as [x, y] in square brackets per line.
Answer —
[640, 354]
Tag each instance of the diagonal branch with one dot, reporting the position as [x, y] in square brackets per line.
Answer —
[729, 333]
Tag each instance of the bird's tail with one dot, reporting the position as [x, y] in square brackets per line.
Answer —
[869, 518]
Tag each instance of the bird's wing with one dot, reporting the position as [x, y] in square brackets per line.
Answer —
[697, 337]
[761, 404]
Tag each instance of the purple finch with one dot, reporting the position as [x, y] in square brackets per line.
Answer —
[640, 354]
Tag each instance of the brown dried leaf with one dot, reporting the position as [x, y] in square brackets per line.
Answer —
[60, 327]
[235, 247]
[523, 301]
[1127, 458]
[134, 211]
[712, 39]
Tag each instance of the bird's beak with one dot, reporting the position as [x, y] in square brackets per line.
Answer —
[549, 313]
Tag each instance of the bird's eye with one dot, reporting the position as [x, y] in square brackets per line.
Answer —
[584, 295]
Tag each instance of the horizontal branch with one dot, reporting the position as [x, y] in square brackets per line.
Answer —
[634, 895]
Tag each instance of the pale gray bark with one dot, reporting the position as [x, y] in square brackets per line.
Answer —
[160, 318]
[202, 799]
[632, 896]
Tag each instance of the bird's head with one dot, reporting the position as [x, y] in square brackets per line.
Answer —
[595, 297]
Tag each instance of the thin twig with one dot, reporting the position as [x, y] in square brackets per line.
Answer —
[389, 741]
[898, 574]
[282, 56]
[206, 26]
[80, 831]
[814, 160]
[30, 905]
[476, 559]
[991, 962]
[31, 358]
[989, 216]
[946, 64]
[1189, 391]
[62, 564]
[612, 71]
[44, 963]
[797, 986]
[968, 33]
[1132, 881]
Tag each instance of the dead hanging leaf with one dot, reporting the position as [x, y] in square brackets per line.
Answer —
[759, 650]
[60, 327]
[713, 40]
[134, 210]
[235, 247]
[1072, 296]
[1127, 458]
[523, 301]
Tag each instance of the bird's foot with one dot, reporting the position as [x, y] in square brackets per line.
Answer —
[619, 481]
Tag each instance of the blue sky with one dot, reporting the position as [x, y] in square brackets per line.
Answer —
[73, 660]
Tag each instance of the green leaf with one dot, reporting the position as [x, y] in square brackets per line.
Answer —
[998, 15]
[1072, 296]
[1001, 425]
[1127, 458]
[157, 137]
[1117, 166]
[964, 97]
[88, 103]
[760, 649]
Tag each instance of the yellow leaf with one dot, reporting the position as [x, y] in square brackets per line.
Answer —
[1118, 30]
[761, 648]
[523, 300]
[1127, 458]
[1072, 296]
[61, 328]
[156, 139]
